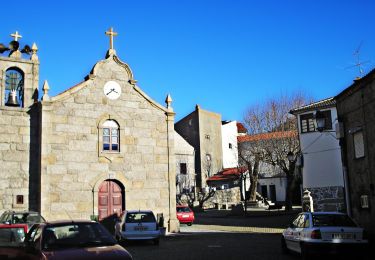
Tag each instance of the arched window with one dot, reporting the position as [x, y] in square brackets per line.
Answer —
[111, 136]
[14, 83]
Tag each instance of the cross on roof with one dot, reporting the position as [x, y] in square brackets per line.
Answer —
[111, 33]
[16, 36]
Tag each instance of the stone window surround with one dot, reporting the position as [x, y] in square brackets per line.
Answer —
[110, 155]
[111, 125]
[3, 94]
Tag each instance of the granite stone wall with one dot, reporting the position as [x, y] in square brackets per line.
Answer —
[73, 162]
[328, 198]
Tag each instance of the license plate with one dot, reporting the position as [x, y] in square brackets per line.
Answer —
[343, 236]
[185, 216]
[140, 228]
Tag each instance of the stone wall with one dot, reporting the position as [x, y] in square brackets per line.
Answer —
[328, 198]
[355, 106]
[18, 152]
[228, 196]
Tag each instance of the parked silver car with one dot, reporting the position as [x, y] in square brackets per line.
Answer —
[324, 233]
[138, 225]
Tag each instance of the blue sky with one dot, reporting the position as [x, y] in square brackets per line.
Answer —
[224, 55]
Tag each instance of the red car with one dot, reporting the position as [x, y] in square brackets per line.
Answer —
[73, 240]
[185, 215]
[11, 241]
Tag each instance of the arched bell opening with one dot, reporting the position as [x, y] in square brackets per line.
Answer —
[14, 87]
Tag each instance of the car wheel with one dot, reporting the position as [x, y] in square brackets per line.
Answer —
[189, 224]
[284, 248]
[156, 241]
[304, 252]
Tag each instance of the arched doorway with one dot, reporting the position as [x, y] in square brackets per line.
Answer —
[111, 198]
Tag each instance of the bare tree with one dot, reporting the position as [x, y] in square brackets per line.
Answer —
[274, 135]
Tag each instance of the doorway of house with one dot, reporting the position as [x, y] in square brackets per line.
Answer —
[273, 193]
[111, 199]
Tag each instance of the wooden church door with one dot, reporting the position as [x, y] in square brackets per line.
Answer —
[110, 199]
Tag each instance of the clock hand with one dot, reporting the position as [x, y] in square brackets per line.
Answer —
[110, 92]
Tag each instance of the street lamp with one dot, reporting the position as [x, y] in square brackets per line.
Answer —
[320, 120]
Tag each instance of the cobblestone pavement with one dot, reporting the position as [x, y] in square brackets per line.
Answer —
[220, 235]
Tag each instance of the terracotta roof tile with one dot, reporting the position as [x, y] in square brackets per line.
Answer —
[241, 128]
[266, 136]
[228, 174]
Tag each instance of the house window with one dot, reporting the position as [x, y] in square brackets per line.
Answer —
[183, 169]
[359, 150]
[364, 201]
[111, 138]
[230, 146]
[19, 199]
[328, 119]
[307, 123]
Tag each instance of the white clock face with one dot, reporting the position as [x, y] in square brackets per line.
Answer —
[112, 90]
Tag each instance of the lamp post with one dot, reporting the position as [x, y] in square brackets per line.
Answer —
[289, 180]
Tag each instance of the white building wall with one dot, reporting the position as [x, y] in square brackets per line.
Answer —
[322, 165]
[280, 186]
[184, 153]
[229, 135]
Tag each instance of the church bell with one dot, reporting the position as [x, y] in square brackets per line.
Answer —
[12, 99]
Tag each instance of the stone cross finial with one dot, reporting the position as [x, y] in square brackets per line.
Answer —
[16, 36]
[111, 33]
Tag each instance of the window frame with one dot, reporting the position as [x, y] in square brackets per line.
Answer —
[310, 126]
[357, 153]
[115, 126]
[183, 168]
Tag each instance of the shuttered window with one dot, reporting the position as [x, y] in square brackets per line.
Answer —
[307, 123]
[359, 150]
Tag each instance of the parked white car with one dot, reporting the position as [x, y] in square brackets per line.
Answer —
[138, 225]
[324, 233]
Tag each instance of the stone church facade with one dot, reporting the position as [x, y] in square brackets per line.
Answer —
[98, 148]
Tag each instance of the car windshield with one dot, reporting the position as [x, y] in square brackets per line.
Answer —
[145, 217]
[76, 235]
[28, 217]
[183, 209]
[332, 220]
[12, 236]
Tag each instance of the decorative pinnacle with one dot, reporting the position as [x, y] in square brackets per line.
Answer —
[34, 48]
[16, 36]
[45, 91]
[168, 101]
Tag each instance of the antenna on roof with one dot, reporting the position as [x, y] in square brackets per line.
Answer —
[358, 62]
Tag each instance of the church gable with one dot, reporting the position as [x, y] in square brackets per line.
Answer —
[106, 133]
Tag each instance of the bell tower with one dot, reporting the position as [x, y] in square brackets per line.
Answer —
[19, 73]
